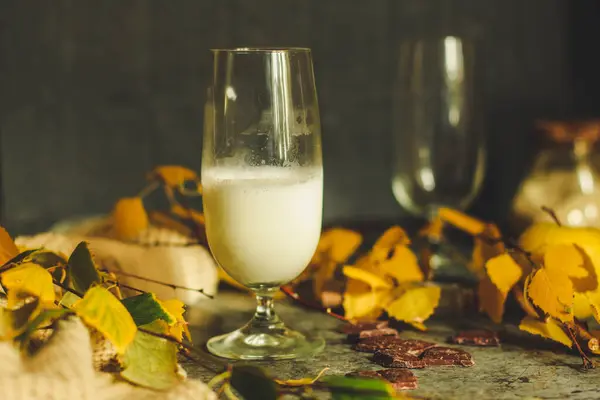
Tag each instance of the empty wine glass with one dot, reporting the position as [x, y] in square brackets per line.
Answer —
[439, 151]
[262, 180]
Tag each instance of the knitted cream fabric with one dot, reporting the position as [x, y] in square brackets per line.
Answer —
[62, 370]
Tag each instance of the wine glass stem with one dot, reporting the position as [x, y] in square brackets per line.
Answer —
[265, 316]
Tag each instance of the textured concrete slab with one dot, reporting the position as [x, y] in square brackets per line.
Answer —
[518, 369]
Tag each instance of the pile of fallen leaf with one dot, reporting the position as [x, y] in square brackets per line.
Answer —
[552, 272]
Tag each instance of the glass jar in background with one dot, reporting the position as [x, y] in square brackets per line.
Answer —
[562, 178]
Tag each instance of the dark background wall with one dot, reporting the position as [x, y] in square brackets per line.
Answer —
[93, 94]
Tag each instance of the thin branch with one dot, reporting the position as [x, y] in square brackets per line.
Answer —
[288, 291]
[171, 285]
[148, 189]
[117, 283]
[587, 363]
[552, 215]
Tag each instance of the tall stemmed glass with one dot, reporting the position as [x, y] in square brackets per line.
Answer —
[439, 152]
[262, 178]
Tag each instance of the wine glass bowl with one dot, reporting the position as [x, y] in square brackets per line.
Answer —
[439, 152]
[262, 180]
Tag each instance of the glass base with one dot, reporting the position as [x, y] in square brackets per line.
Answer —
[276, 342]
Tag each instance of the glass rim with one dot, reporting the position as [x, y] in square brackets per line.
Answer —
[251, 50]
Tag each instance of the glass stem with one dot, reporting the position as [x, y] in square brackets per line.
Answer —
[265, 311]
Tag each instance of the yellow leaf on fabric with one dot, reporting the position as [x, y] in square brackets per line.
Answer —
[491, 299]
[336, 244]
[403, 266]
[173, 175]
[504, 272]
[552, 291]
[8, 248]
[394, 236]
[415, 305]
[361, 302]
[129, 218]
[176, 308]
[100, 309]
[369, 278]
[548, 328]
[28, 278]
[487, 245]
[302, 381]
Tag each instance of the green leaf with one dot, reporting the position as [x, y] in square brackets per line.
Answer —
[253, 383]
[18, 258]
[100, 309]
[69, 299]
[151, 361]
[145, 308]
[351, 388]
[45, 258]
[81, 268]
[14, 322]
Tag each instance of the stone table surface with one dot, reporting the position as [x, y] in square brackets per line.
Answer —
[518, 369]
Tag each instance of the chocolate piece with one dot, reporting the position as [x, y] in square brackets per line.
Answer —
[373, 344]
[379, 343]
[397, 358]
[400, 379]
[477, 337]
[365, 374]
[354, 337]
[439, 356]
[363, 326]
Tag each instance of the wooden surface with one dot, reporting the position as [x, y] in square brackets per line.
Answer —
[94, 94]
[521, 368]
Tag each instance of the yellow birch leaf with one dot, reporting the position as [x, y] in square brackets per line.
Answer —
[487, 248]
[415, 305]
[28, 278]
[403, 266]
[336, 244]
[433, 230]
[394, 236]
[491, 299]
[549, 329]
[462, 221]
[552, 291]
[593, 299]
[173, 175]
[187, 213]
[504, 272]
[525, 303]
[367, 277]
[361, 302]
[100, 309]
[129, 218]
[323, 273]
[176, 308]
[8, 248]
[302, 381]
[565, 258]
[418, 325]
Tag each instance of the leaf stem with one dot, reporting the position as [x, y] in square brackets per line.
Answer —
[171, 285]
[214, 382]
[552, 215]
